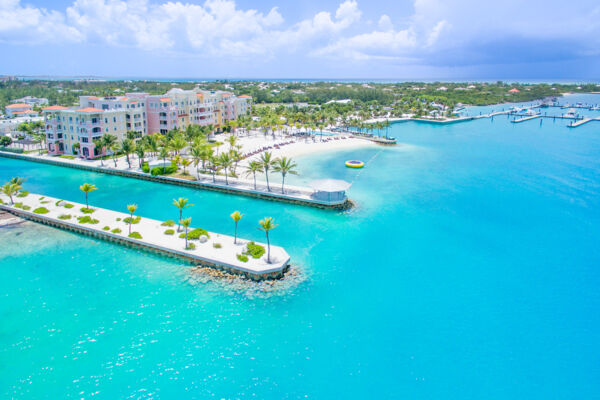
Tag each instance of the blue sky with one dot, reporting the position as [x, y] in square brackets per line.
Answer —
[402, 39]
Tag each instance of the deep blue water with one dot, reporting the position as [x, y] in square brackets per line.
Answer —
[468, 270]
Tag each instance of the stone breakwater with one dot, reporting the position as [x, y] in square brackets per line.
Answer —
[216, 251]
[300, 196]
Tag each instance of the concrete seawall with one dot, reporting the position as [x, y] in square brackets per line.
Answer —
[153, 238]
[304, 200]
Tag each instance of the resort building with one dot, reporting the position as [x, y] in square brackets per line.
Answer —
[71, 130]
[19, 110]
[33, 101]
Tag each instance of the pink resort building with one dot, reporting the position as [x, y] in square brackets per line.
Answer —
[71, 130]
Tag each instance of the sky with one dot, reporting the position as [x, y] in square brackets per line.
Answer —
[325, 39]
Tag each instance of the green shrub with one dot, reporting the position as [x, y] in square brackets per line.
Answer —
[135, 235]
[163, 170]
[86, 219]
[45, 202]
[67, 156]
[136, 220]
[116, 230]
[41, 210]
[168, 223]
[87, 210]
[1, 201]
[195, 234]
[106, 228]
[190, 246]
[42, 198]
[217, 245]
[58, 203]
[64, 216]
[242, 257]
[68, 205]
[11, 150]
[23, 193]
[254, 250]
[169, 232]
[118, 219]
[145, 167]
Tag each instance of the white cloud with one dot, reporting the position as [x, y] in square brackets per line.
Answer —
[219, 28]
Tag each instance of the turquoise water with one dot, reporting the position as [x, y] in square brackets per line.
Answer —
[468, 270]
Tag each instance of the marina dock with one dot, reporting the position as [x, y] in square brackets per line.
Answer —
[528, 118]
[218, 251]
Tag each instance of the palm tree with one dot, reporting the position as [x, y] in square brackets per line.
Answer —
[186, 223]
[164, 153]
[181, 203]
[10, 189]
[139, 151]
[266, 160]
[236, 216]
[110, 142]
[185, 163]
[196, 152]
[232, 140]
[87, 189]
[252, 168]
[131, 208]
[266, 225]
[225, 161]
[178, 143]
[207, 153]
[18, 181]
[99, 144]
[128, 147]
[285, 166]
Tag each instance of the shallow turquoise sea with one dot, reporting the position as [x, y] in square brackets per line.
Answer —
[468, 270]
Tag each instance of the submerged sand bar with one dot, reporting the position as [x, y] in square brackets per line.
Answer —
[153, 237]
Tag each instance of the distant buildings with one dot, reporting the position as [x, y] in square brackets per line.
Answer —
[71, 130]
[19, 110]
[33, 101]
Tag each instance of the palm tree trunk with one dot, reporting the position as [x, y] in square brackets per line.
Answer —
[86, 201]
[179, 224]
[226, 181]
[268, 249]
[282, 182]
[254, 173]
[267, 176]
[235, 234]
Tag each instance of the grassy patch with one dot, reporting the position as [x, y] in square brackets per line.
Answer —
[118, 219]
[87, 210]
[67, 156]
[195, 234]
[169, 232]
[42, 198]
[58, 203]
[106, 228]
[116, 230]
[45, 202]
[217, 245]
[1, 201]
[23, 193]
[242, 257]
[136, 220]
[22, 206]
[68, 205]
[254, 250]
[41, 210]
[168, 223]
[86, 219]
[64, 216]
[190, 246]
[135, 235]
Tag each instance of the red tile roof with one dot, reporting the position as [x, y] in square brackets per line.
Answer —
[245, 96]
[90, 110]
[165, 99]
[51, 108]
[18, 105]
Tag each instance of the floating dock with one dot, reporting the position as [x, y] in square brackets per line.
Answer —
[293, 194]
[528, 118]
[219, 251]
